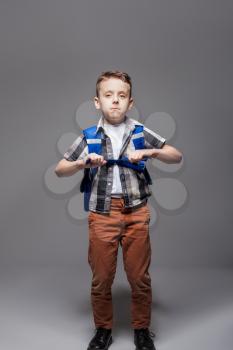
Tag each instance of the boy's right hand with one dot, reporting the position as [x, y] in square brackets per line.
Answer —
[93, 160]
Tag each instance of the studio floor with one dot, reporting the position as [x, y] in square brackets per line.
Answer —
[49, 308]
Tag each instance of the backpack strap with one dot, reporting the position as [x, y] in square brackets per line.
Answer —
[94, 144]
[138, 137]
[139, 143]
[94, 141]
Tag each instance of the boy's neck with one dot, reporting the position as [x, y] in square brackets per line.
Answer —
[115, 124]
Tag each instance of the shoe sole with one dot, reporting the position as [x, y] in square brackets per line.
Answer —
[107, 346]
[139, 349]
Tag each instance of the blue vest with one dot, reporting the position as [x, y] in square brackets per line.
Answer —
[94, 143]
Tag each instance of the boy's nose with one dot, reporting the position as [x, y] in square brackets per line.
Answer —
[115, 99]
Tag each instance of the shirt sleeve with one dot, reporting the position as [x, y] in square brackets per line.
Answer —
[78, 150]
[152, 139]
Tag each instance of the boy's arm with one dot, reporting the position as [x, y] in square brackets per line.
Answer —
[167, 154]
[76, 157]
[155, 147]
[68, 168]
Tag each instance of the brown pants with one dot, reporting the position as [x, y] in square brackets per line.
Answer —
[131, 229]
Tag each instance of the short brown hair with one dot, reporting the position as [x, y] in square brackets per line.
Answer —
[114, 74]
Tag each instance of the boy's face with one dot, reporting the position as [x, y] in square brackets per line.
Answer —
[114, 100]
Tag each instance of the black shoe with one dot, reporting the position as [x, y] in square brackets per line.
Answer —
[142, 339]
[101, 340]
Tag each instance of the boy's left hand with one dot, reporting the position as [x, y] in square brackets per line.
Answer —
[136, 156]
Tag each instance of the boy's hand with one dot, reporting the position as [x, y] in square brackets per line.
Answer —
[94, 160]
[136, 156]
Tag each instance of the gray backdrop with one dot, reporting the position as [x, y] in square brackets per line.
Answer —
[179, 55]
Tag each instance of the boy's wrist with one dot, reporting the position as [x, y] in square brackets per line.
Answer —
[81, 164]
[153, 153]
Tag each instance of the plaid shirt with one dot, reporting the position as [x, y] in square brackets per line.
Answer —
[134, 186]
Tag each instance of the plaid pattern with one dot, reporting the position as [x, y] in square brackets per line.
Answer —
[134, 186]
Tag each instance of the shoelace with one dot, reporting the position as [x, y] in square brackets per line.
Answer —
[101, 334]
[145, 333]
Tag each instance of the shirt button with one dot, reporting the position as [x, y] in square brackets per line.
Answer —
[109, 183]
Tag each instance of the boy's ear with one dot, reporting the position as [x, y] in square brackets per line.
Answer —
[131, 102]
[96, 102]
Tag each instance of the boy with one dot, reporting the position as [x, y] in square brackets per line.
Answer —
[118, 209]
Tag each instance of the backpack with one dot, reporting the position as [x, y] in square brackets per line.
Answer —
[94, 143]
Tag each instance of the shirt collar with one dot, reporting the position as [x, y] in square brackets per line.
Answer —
[130, 123]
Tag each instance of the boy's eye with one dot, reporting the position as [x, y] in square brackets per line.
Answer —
[109, 95]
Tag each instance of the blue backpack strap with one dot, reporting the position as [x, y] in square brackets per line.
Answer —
[139, 143]
[124, 162]
[94, 144]
[93, 139]
[138, 137]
